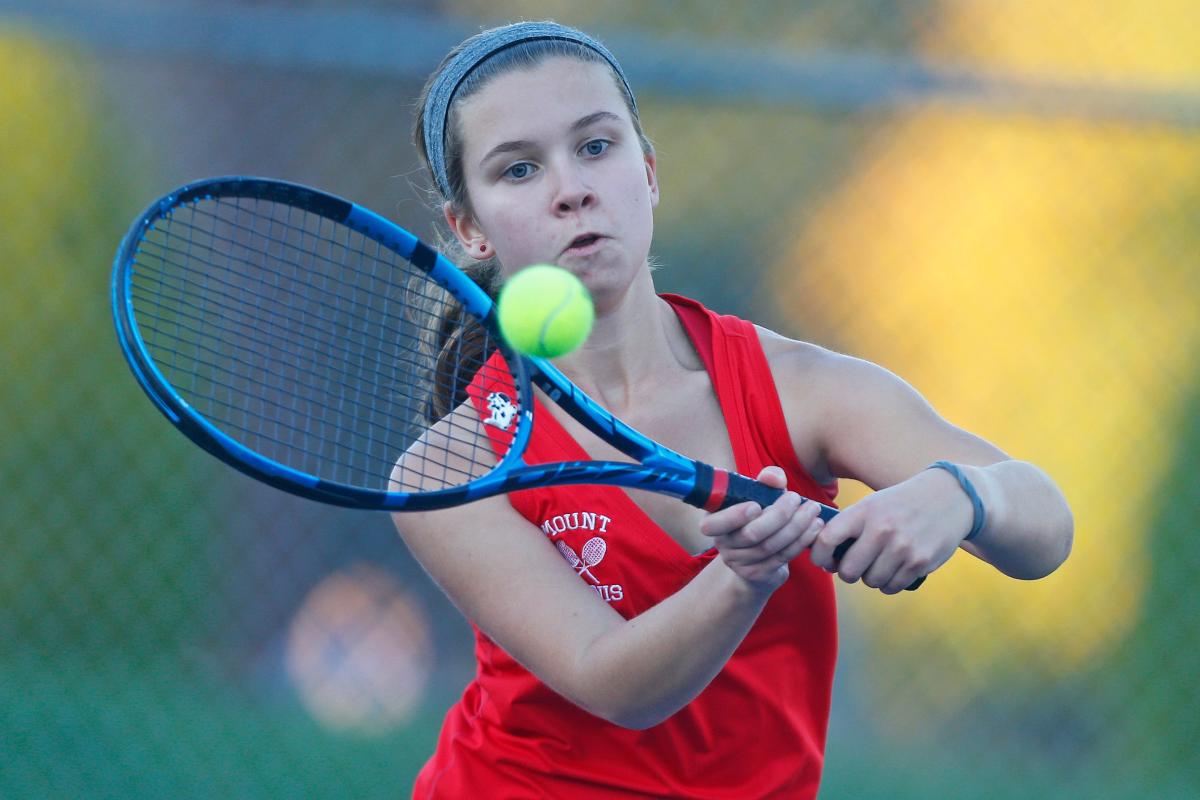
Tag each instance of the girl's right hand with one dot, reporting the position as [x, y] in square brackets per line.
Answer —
[758, 543]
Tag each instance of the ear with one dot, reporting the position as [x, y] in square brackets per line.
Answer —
[652, 177]
[467, 231]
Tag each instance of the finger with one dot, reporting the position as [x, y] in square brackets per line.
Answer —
[798, 546]
[803, 527]
[903, 578]
[751, 546]
[773, 476]
[861, 556]
[845, 526]
[813, 530]
[727, 520]
[757, 534]
[884, 568]
[913, 571]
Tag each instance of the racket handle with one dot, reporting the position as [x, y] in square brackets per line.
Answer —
[740, 489]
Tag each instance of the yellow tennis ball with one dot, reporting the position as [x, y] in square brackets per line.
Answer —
[545, 311]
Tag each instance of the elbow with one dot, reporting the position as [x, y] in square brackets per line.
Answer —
[1065, 539]
[1062, 533]
[629, 715]
[1056, 544]
[1061, 540]
[635, 721]
[1054, 539]
[618, 692]
[637, 725]
[617, 700]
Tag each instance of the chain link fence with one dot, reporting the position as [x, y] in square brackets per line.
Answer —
[1001, 203]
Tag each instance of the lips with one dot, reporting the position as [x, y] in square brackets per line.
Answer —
[583, 242]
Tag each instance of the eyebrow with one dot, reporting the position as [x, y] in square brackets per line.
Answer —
[521, 144]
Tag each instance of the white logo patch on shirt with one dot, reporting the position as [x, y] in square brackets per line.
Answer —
[502, 409]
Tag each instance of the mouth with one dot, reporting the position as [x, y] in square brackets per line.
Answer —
[584, 244]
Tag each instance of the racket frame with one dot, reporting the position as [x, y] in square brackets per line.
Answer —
[658, 468]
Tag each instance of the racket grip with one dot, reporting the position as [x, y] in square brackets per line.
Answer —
[741, 489]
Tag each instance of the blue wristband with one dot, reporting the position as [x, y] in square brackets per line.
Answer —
[972, 495]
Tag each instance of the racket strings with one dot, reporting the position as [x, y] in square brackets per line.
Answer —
[464, 338]
[226, 249]
[286, 334]
[312, 344]
[301, 333]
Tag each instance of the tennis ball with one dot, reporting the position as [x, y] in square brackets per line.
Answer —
[545, 311]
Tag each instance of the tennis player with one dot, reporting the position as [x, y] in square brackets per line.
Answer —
[628, 644]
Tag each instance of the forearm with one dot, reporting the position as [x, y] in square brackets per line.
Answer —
[1029, 526]
[643, 671]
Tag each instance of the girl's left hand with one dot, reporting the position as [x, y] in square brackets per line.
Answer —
[902, 532]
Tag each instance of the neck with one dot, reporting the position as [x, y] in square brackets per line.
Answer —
[637, 346]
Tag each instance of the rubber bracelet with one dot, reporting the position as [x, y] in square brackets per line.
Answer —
[972, 495]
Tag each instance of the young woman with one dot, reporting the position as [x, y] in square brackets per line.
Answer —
[629, 644]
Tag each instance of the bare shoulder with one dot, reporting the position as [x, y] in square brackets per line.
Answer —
[797, 364]
[838, 389]
[851, 418]
[806, 378]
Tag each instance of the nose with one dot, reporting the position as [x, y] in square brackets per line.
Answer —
[572, 192]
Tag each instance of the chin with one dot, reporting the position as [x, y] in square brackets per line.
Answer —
[609, 285]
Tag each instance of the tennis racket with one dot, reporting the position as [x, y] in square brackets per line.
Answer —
[324, 350]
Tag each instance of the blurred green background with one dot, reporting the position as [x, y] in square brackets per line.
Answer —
[998, 201]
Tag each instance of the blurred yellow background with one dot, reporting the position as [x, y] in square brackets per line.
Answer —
[1015, 271]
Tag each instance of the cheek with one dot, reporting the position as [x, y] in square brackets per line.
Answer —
[517, 240]
[642, 205]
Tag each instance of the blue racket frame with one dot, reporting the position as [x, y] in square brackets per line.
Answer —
[659, 469]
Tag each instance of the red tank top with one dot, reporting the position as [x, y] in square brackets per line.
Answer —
[758, 730]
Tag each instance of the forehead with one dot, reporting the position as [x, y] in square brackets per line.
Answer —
[531, 102]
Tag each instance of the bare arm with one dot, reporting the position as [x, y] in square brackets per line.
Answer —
[873, 427]
[1029, 528]
[503, 573]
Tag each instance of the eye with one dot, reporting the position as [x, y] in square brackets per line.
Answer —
[519, 171]
[595, 147]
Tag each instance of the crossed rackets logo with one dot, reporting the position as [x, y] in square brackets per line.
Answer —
[591, 554]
